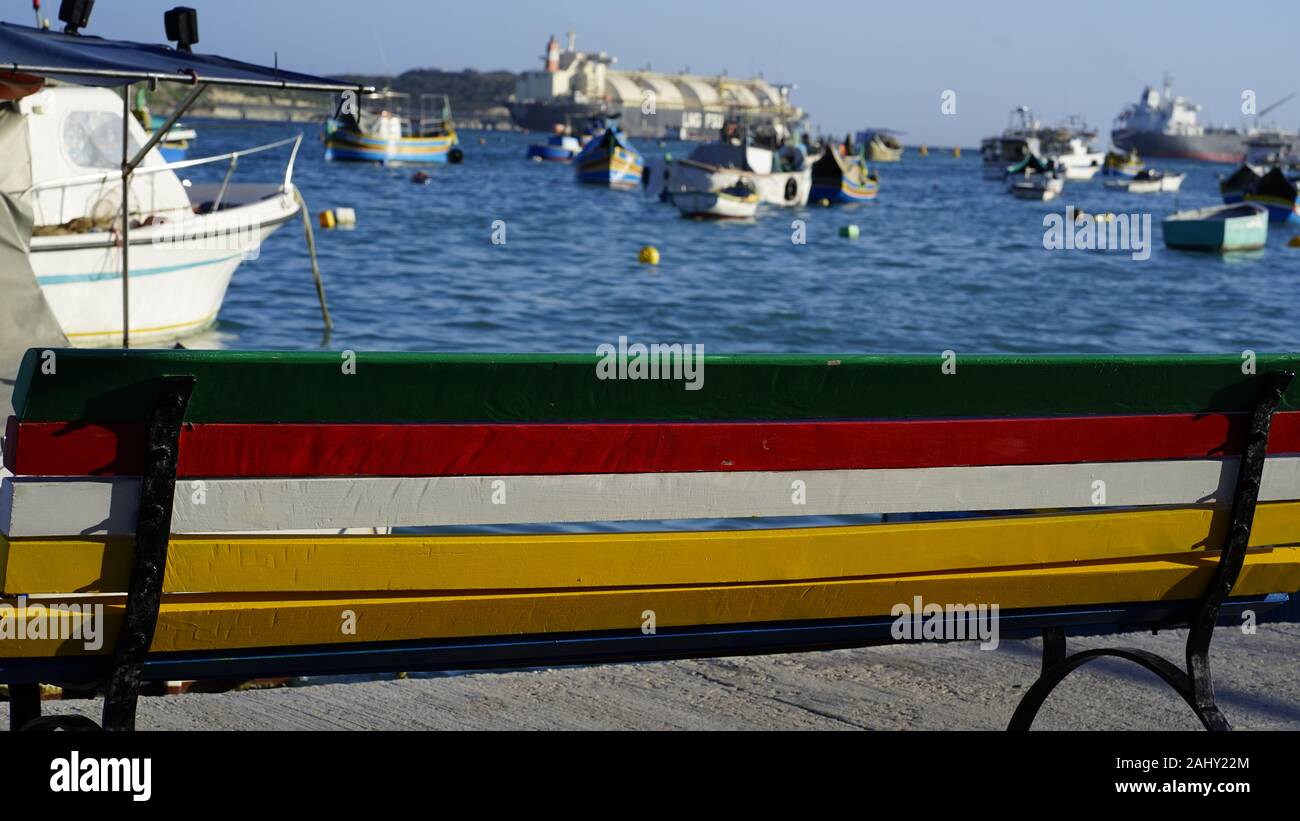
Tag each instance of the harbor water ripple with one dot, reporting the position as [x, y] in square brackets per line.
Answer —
[945, 260]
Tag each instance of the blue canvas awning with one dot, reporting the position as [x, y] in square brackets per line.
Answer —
[98, 62]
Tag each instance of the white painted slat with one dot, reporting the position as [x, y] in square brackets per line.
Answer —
[69, 507]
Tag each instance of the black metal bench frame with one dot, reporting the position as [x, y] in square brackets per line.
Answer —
[153, 529]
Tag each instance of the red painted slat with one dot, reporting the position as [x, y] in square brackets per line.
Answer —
[293, 450]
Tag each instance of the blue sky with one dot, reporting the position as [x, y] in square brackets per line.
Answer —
[856, 63]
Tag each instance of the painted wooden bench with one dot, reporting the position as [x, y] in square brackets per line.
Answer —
[200, 497]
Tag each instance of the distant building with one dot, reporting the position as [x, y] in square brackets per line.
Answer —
[573, 86]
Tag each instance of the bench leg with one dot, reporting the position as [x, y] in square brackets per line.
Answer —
[1194, 684]
[153, 528]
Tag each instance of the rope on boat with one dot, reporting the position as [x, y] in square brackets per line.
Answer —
[311, 252]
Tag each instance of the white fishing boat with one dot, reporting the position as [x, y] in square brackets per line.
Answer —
[1072, 147]
[739, 201]
[1149, 181]
[1017, 141]
[185, 240]
[105, 242]
[778, 169]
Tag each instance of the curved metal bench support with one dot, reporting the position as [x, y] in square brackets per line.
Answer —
[153, 530]
[144, 593]
[1195, 684]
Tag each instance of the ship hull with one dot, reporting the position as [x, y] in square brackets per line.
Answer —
[1221, 146]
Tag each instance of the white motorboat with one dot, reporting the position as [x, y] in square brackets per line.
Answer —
[1148, 182]
[739, 201]
[779, 170]
[65, 148]
[1072, 148]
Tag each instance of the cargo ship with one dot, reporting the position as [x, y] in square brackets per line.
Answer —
[1162, 125]
[574, 86]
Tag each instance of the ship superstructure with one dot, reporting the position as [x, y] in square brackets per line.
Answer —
[1161, 124]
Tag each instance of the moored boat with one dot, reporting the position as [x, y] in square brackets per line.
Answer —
[882, 145]
[106, 241]
[1279, 194]
[609, 159]
[1072, 148]
[1148, 181]
[557, 148]
[1123, 164]
[1240, 227]
[385, 133]
[1233, 188]
[738, 201]
[185, 241]
[778, 168]
[840, 179]
[1017, 141]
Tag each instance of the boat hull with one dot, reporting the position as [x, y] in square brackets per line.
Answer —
[844, 193]
[715, 205]
[179, 274]
[1279, 208]
[345, 144]
[1215, 146]
[790, 189]
[620, 168]
[551, 153]
[1201, 231]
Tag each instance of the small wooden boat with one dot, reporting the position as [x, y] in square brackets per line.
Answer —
[557, 148]
[1278, 193]
[1035, 179]
[1240, 227]
[1040, 187]
[738, 201]
[841, 179]
[609, 159]
[882, 145]
[1123, 164]
[1148, 181]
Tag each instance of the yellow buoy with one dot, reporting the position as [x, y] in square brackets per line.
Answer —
[327, 219]
[1294, 242]
[956, 152]
[649, 255]
[824, 203]
[925, 152]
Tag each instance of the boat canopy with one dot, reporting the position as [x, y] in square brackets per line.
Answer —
[1032, 163]
[29, 54]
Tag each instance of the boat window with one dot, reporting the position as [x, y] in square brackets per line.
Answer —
[93, 139]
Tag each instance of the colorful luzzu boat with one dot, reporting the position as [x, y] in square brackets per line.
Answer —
[1123, 165]
[392, 134]
[839, 179]
[609, 159]
[388, 144]
[1279, 194]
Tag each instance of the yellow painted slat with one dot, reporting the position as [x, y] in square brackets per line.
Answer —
[209, 622]
[253, 564]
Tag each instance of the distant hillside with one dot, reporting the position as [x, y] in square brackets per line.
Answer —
[469, 90]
